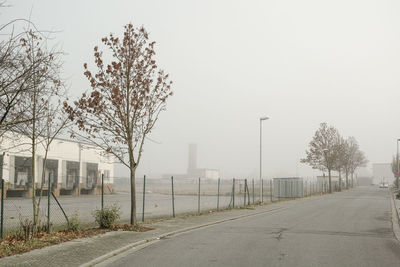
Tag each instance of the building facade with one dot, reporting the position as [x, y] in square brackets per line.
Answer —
[73, 168]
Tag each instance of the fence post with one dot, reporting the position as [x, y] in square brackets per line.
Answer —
[233, 193]
[173, 200]
[262, 191]
[252, 181]
[102, 192]
[61, 208]
[245, 191]
[48, 204]
[2, 209]
[144, 196]
[198, 199]
[270, 189]
[248, 194]
[279, 190]
[219, 180]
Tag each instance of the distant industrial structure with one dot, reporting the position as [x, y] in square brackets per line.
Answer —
[74, 168]
[382, 172]
[193, 171]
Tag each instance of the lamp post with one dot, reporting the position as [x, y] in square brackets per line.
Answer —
[261, 120]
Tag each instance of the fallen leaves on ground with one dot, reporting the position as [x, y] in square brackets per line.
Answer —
[17, 244]
[130, 227]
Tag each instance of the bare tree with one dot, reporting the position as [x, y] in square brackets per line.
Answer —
[16, 70]
[322, 153]
[41, 108]
[126, 98]
[359, 160]
[349, 156]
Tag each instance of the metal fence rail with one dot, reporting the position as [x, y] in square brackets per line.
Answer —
[155, 198]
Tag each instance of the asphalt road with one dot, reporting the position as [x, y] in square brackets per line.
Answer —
[351, 228]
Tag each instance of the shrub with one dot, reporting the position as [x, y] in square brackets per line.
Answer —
[108, 216]
[26, 228]
[74, 224]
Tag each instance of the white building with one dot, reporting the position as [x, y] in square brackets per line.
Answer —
[74, 168]
[193, 171]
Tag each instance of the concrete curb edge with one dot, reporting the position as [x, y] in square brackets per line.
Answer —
[142, 242]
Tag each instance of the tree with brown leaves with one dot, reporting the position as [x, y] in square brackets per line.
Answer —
[349, 157]
[126, 98]
[359, 160]
[341, 159]
[322, 153]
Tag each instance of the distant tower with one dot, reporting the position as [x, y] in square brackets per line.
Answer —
[192, 158]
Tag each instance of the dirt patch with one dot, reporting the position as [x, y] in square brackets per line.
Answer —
[17, 243]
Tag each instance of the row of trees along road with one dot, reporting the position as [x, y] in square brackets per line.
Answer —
[121, 108]
[328, 151]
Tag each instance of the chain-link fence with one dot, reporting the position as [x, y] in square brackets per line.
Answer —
[155, 198]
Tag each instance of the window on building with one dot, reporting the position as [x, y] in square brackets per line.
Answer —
[51, 170]
[91, 175]
[72, 172]
[23, 172]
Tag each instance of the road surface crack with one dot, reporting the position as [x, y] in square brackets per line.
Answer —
[280, 233]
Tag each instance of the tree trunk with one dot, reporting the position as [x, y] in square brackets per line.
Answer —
[33, 175]
[42, 182]
[35, 217]
[133, 194]
[347, 179]
[330, 181]
[352, 180]
[340, 181]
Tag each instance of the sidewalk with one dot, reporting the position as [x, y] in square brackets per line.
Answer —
[90, 251]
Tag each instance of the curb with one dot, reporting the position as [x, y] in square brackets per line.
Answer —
[150, 240]
[395, 217]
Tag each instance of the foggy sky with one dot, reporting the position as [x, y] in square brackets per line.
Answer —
[298, 62]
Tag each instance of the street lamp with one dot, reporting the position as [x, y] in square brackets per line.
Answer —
[261, 120]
